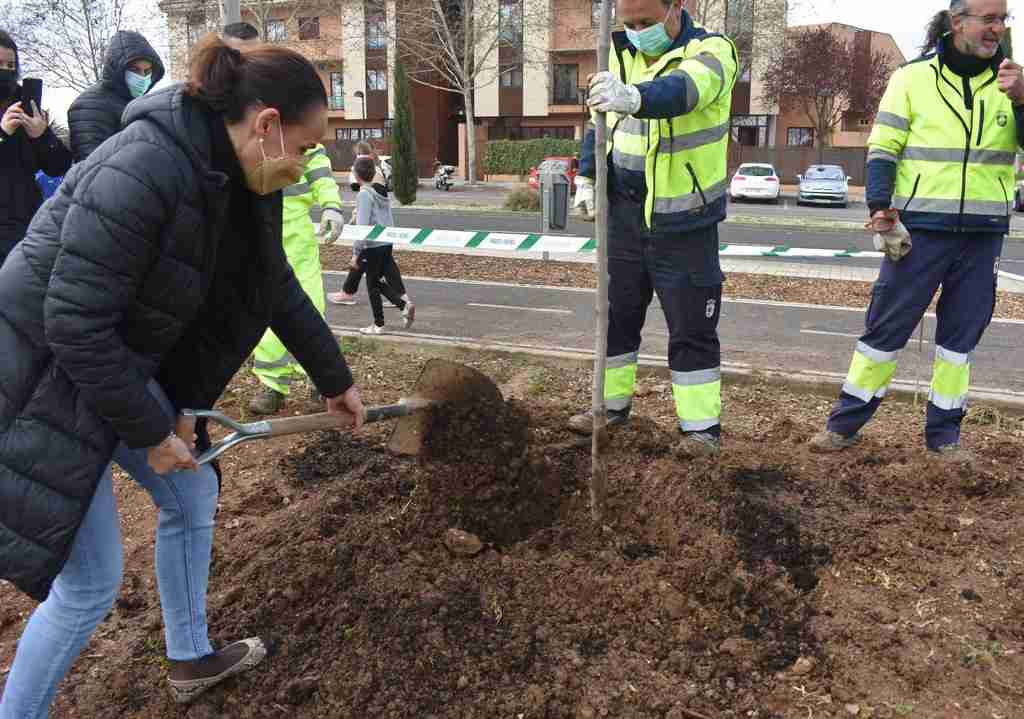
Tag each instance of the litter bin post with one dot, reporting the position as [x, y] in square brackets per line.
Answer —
[554, 196]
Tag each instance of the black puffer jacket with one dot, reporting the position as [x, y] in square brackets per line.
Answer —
[21, 158]
[113, 285]
[96, 114]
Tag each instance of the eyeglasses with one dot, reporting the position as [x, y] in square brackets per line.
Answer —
[990, 20]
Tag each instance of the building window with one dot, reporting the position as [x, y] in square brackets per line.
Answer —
[376, 31]
[195, 27]
[800, 137]
[510, 23]
[309, 28]
[337, 98]
[595, 13]
[567, 84]
[355, 134]
[276, 31]
[512, 76]
[389, 126]
[376, 80]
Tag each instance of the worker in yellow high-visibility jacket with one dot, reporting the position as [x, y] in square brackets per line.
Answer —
[940, 190]
[276, 369]
[667, 95]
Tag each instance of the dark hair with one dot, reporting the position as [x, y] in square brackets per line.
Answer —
[231, 81]
[8, 42]
[941, 25]
[364, 169]
[241, 31]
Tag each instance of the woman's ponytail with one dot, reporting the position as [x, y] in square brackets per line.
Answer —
[230, 81]
[215, 71]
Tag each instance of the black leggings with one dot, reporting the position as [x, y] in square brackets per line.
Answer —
[382, 278]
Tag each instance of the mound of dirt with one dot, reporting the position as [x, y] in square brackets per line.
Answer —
[770, 584]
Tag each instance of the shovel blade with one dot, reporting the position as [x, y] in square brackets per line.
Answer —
[442, 381]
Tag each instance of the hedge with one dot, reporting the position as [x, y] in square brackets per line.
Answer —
[517, 157]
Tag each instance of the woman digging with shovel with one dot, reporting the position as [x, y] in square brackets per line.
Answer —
[137, 294]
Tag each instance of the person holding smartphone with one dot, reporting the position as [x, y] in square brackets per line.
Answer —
[27, 146]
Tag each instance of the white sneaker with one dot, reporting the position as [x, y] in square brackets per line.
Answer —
[372, 330]
[341, 298]
[409, 313]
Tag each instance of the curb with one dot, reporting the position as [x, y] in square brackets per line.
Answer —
[824, 383]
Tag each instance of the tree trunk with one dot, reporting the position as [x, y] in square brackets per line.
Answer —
[470, 138]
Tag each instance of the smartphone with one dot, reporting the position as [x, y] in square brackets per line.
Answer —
[31, 91]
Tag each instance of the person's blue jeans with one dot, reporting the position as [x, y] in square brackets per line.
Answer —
[87, 586]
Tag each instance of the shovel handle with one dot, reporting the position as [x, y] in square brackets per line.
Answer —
[327, 420]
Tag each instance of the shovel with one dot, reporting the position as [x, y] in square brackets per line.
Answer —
[440, 382]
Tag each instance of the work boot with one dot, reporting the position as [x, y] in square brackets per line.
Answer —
[267, 401]
[953, 454]
[190, 679]
[695, 445]
[583, 423]
[826, 442]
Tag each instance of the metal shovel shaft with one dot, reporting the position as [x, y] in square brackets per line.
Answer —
[248, 432]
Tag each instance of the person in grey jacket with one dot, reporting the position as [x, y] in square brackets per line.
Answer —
[375, 257]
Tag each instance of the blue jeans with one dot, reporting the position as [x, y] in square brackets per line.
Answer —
[84, 592]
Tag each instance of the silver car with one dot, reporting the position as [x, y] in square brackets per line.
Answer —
[824, 185]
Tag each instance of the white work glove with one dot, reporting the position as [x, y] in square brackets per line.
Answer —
[584, 196]
[891, 236]
[332, 222]
[609, 94]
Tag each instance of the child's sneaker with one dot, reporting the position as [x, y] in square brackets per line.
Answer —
[372, 330]
[409, 313]
[341, 298]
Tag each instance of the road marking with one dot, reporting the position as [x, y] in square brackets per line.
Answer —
[521, 309]
[829, 334]
[727, 300]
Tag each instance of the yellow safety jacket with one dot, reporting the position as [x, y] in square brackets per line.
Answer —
[953, 141]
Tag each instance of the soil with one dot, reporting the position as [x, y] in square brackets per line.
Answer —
[842, 293]
[771, 583]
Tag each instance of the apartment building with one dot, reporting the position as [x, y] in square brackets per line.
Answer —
[535, 61]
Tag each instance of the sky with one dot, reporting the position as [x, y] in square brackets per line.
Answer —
[905, 20]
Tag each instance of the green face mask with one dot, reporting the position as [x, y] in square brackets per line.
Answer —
[653, 40]
[138, 85]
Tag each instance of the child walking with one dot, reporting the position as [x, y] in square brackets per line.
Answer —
[375, 257]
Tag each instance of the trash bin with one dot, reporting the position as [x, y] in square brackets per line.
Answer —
[554, 195]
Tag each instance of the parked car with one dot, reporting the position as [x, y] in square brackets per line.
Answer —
[824, 185]
[574, 167]
[755, 181]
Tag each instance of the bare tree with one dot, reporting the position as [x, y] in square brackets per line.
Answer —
[461, 46]
[65, 41]
[827, 78]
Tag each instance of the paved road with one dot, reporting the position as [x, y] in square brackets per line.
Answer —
[759, 334]
[741, 234]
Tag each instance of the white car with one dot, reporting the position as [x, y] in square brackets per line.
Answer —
[755, 182]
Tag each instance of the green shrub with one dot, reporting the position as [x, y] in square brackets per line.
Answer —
[517, 157]
[523, 199]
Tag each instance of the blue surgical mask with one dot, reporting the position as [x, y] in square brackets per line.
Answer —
[138, 85]
[653, 40]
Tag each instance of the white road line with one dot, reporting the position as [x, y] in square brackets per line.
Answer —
[829, 334]
[727, 300]
[521, 309]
